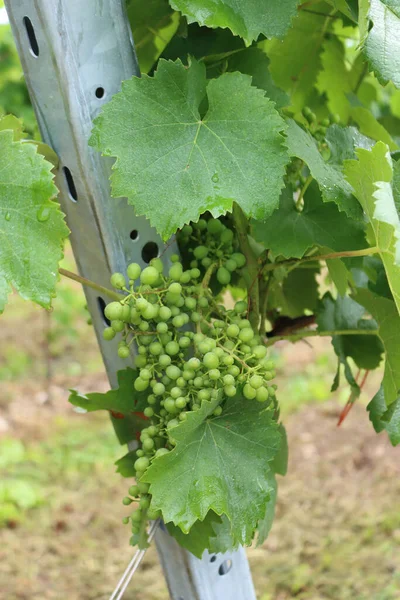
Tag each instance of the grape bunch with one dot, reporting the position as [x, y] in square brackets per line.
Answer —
[190, 348]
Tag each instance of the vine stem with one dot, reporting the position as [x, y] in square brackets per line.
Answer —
[91, 284]
[251, 270]
[295, 337]
[331, 255]
[303, 191]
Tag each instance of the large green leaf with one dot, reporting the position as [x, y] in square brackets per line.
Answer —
[290, 232]
[385, 314]
[233, 153]
[381, 40]
[200, 535]
[371, 177]
[344, 314]
[32, 227]
[295, 61]
[153, 24]
[124, 399]
[265, 524]
[248, 19]
[384, 418]
[333, 186]
[219, 464]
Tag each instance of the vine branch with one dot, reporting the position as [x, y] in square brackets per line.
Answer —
[91, 284]
[331, 255]
[295, 337]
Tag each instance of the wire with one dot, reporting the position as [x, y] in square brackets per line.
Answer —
[133, 565]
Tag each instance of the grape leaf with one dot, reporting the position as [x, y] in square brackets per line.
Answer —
[291, 233]
[385, 313]
[384, 418]
[339, 274]
[371, 127]
[265, 524]
[370, 177]
[234, 153]
[153, 24]
[295, 61]
[333, 186]
[32, 226]
[254, 62]
[344, 313]
[200, 535]
[299, 291]
[219, 464]
[381, 42]
[124, 400]
[280, 463]
[247, 19]
[125, 464]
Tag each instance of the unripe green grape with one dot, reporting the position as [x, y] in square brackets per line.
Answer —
[174, 258]
[195, 273]
[214, 374]
[155, 348]
[144, 326]
[211, 360]
[178, 321]
[198, 382]
[141, 464]
[158, 389]
[223, 276]
[226, 236]
[172, 348]
[140, 361]
[180, 402]
[145, 374]
[150, 312]
[259, 351]
[228, 379]
[133, 271]
[118, 281]
[133, 491]
[201, 225]
[232, 330]
[246, 334]
[204, 394]
[108, 333]
[148, 412]
[148, 444]
[113, 311]
[190, 303]
[164, 313]
[123, 352]
[176, 271]
[188, 374]
[262, 394]
[175, 288]
[217, 411]
[152, 430]
[176, 391]
[141, 304]
[125, 520]
[185, 277]
[139, 452]
[140, 384]
[249, 392]
[149, 276]
[173, 372]
[230, 391]
[161, 452]
[200, 252]
[135, 317]
[195, 317]
[126, 313]
[136, 516]
[203, 302]
[231, 265]
[152, 514]
[164, 360]
[165, 338]
[144, 502]
[126, 501]
[239, 259]
[214, 226]
[184, 342]
[118, 326]
[172, 423]
[206, 262]
[157, 263]
[234, 370]
[244, 324]
[228, 360]
[169, 405]
[256, 381]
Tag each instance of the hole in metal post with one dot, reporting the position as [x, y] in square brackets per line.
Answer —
[102, 306]
[31, 36]
[225, 567]
[100, 91]
[73, 194]
[213, 558]
[134, 234]
[149, 251]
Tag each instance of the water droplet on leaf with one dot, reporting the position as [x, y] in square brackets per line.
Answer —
[215, 178]
[8, 216]
[43, 214]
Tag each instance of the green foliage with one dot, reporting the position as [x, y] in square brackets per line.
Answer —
[33, 228]
[248, 19]
[207, 158]
[233, 143]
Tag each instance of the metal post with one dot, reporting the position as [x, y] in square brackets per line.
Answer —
[75, 53]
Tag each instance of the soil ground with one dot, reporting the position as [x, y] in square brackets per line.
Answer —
[337, 530]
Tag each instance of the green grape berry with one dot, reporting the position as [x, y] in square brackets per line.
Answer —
[118, 281]
[133, 271]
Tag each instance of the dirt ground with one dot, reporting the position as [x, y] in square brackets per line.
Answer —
[337, 530]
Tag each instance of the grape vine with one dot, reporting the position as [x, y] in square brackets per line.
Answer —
[266, 137]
